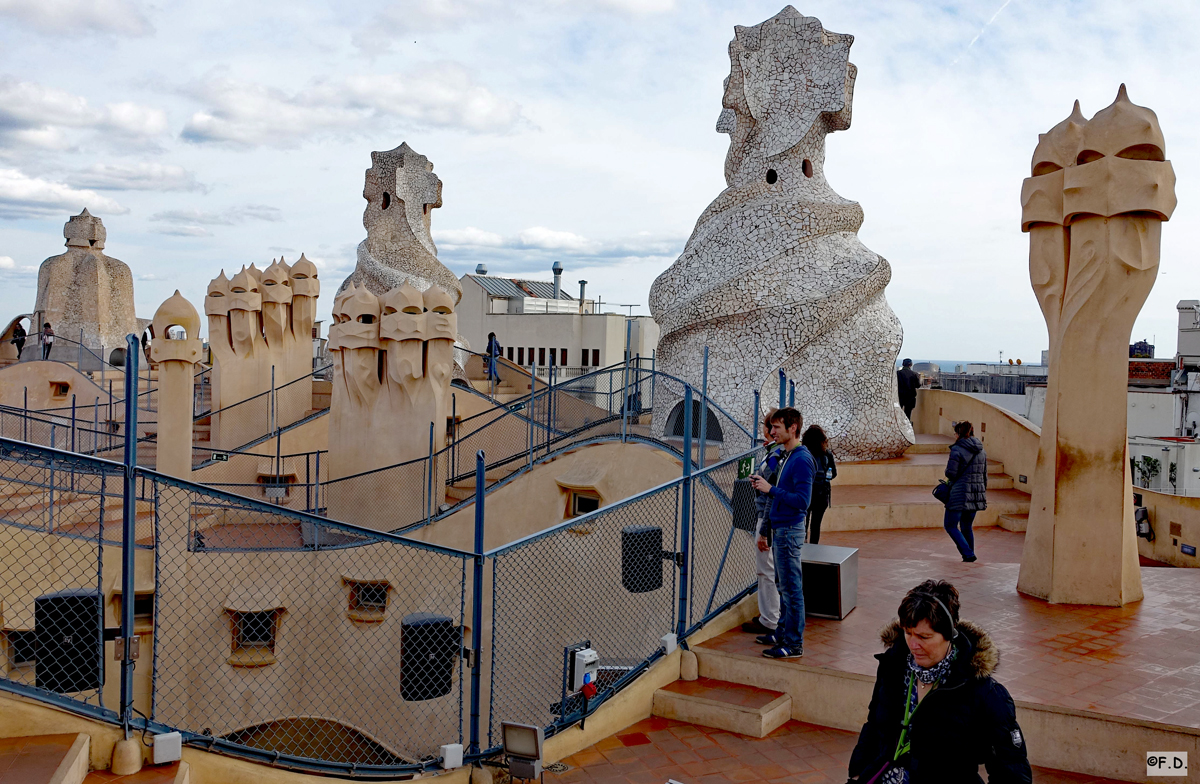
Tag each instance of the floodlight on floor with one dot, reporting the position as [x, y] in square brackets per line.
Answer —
[523, 748]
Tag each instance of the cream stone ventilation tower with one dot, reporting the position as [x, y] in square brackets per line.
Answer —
[84, 292]
[774, 275]
[393, 360]
[401, 192]
[1094, 209]
[175, 349]
[260, 323]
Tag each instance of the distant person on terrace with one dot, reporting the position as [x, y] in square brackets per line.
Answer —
[789, 507]
[908, 381]
[47, 338]
[493, 351]
[937, 713]
[817, 443]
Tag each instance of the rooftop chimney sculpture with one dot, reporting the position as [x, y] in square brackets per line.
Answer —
[85, 292]
[1094, 209]
[774, 275]
[401, 192]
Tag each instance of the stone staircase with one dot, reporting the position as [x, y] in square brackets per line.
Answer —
[898, 493]
[734, 707]
[65, 759]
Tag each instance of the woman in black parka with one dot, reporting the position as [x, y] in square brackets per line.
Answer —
[938, 670]
[967, 471]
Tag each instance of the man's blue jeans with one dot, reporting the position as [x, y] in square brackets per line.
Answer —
[786, 544]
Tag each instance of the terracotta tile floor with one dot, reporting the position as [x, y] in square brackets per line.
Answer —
[729, 693]
[655, 750]
[1140, 661]
[31, 759]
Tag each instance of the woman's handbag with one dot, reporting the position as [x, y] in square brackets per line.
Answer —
[942, 490]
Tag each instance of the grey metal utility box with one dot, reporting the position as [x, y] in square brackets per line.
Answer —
[830, 580]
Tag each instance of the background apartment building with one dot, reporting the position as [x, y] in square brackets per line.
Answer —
[537, 322]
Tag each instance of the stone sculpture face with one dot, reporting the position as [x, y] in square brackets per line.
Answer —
[1093, 207]
[277, 283]
[356, 312]
[773, 275]
[304, 278]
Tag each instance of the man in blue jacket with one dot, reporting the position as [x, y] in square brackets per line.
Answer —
[790, 497]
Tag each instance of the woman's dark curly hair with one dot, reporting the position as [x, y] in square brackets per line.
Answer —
[921, 604]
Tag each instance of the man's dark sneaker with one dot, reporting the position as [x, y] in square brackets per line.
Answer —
[756, 626]
[972, 559]
[780, 652]
[767, 639]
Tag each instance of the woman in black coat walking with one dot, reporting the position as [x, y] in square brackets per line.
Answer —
[967, 471]
[937, 713]
[817, 443]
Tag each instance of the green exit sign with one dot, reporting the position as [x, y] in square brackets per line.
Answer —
[745, 467]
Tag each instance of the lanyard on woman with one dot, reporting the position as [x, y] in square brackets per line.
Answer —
[904, 745]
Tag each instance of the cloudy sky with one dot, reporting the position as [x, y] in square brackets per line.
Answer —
[214, 134]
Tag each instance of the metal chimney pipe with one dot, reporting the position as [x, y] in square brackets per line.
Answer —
[557, 269]
[582, 289]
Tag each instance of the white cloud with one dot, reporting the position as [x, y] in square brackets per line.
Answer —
[470, 236]
[35, 115]
[8, 264]
[193, 222]
[137, 177]
[56, 17]
[22, 196]
[443, 96]
[548, 239]
[404, 17]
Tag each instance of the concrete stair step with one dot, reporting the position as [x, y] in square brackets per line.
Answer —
[931, 443]
[911, 469]
[45, 759]
[170, 773]
[1013, 522]
[875, 507]
[734, 707]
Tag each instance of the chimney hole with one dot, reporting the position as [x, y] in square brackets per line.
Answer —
[387, 200]
[772, 176]
[806, 167]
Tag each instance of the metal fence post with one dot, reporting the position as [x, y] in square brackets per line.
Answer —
[792, 394]
[653, 377]
[25, 417]
[429, 478]
[685, 516]
[96, 426]
[532, 413]
[754, 425]
[129, 528]
[703, 412]
[477, 600]
[782, 388]
[317, 486]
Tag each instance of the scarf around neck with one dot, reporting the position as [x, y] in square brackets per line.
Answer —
[937, 672]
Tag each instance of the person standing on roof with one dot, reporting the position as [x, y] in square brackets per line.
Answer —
[790, 497]
[908, 381]
[767, 620]
[47, 338]
[493, 351]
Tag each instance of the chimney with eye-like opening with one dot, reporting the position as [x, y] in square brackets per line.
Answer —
[557, 269]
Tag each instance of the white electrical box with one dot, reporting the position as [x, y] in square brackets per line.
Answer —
[669, 643]
[451, 754]
[587, 663]
[168, 747]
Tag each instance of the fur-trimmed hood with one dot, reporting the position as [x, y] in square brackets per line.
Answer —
[985, 656]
